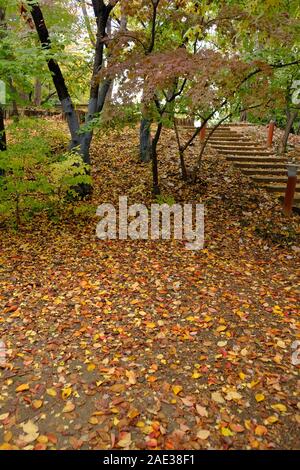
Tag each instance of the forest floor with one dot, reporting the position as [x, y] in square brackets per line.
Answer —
[144, 344]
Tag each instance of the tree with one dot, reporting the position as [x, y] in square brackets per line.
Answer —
[189, 58]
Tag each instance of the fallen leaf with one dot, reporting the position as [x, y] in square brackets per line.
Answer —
[217, 397]
[203, 434]
[125, 440]
[279, 407]
[259, 397]
[69, 407]
[177, 389]
[66, 392]
[261, 430]
[201, 411]
[22, 388]
[37, 404]
[130, 374]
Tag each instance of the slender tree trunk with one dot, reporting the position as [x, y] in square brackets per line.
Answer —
[2, 131]
[14, 110]
[181, 152]
[103, 92]
[156, 188]
[290, 121]
[243, 116]
[102, 17]
[2, 125]
[57, 77]
[37, 92]
[2, 136]
[145, 140]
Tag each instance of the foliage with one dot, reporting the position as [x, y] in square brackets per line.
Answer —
[34, 179]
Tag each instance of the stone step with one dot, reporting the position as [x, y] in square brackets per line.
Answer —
[278, 188]
[233, 142]
[250, 153]
[260, 165]
[270, 179]
[224, 134]
[228, 140]
[266, 172]
[253, 159]
[248, 148]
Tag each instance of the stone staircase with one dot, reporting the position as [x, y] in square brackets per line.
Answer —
[265, 168]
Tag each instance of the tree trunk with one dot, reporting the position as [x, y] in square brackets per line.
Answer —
[181, 151]
[2, 125]
[37, 92]
[14, 110]
[2, 131]
[57, 77]
[102, 16]
[103, 92]
[156, 189]
[2, 136]
[290, 121]
[145, 140]
[243, 116]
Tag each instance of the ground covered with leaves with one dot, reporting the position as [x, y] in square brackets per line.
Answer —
[144, 344]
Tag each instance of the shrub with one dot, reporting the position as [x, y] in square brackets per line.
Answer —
[33, 178]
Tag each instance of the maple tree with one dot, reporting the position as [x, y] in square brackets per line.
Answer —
[171, 65]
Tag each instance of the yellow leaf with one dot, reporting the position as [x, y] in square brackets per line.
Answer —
[259, 397]
[242, 375]
[93, 420]
[22, 388]
[226, 432]
[37, 404]
[279, 407]
[150, 325]
[52, 392]
[133, 413]
[196, 375]
[6, 446]
[43, 439]
[7, 436]
[248, 424]
[271, 420]
[221, 328]
[69, 407]
[66, 392]
[91, 367]
[253, 383]
[176, 389]
[261, 430]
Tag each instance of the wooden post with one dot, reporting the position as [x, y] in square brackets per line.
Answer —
[290, 188]
[203, 133]
[271, 128]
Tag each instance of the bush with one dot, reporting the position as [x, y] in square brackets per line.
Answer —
[33, 178]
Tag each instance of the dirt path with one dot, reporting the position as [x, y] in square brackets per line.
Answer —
[146, 344]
